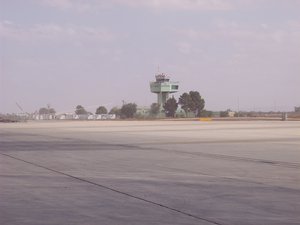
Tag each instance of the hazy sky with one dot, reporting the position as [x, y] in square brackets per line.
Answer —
[100, 52]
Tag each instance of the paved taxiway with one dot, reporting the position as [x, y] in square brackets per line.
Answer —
[154, 172]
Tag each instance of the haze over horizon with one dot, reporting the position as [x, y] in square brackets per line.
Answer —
[101, 52]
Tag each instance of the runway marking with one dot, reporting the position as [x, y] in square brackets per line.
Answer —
[114, 190]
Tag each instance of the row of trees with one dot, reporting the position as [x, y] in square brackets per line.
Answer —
[191, 102]
[126, 111]
[80, 110]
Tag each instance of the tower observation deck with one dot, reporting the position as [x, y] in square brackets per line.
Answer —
[163, 87]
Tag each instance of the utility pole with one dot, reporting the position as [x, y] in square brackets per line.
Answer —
[238, 107]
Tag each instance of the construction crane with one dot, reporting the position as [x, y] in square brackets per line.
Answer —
[20, 107]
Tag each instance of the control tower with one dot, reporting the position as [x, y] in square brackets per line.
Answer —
[163, 87]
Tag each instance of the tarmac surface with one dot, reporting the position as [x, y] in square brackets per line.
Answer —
[150, 172]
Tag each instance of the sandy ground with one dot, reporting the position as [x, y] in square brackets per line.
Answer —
[150, 172]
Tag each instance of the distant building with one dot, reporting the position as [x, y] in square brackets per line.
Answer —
[231, 113]
[105, 116]
[65, 116]
[44, 116]
[68, 116]
[144, 111]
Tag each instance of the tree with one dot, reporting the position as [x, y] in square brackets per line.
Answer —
[116, 111]
[197, 104]
[225, 113]
[128, 110]
[52, 111]
[43, 111]
[170, 107]
[193, 102]
[185, 102]
[80, 110]
[205, 113]
[101, 110]
[154, 109]
[48, 110]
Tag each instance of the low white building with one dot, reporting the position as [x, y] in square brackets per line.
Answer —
[105, 116]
